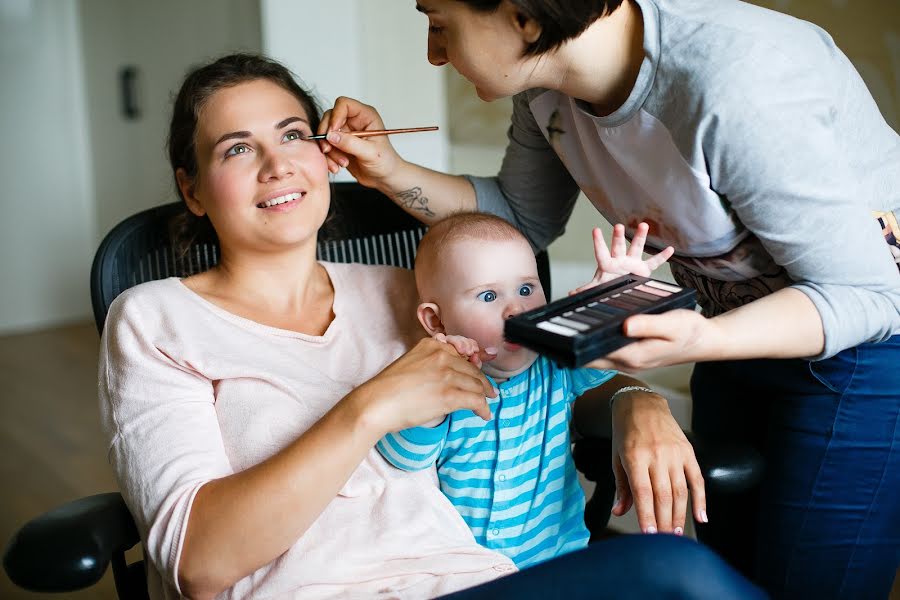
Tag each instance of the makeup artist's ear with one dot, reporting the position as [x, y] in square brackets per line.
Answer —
[528, 28]
[429, 315]
[188, 191]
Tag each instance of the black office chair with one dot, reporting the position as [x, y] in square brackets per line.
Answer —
[70, 547]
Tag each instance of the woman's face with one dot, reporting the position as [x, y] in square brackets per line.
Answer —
[263, 187]
[486, 48]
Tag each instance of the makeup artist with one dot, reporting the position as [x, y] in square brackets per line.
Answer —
[750, 143]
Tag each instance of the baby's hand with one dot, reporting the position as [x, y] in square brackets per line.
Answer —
[618, 261]
[468, 348]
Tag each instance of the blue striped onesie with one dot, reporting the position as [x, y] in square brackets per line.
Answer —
[512, 478]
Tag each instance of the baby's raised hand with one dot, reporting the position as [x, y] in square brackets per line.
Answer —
[620, 260]
[468, 348]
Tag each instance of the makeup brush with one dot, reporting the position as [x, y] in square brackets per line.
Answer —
[373, 132]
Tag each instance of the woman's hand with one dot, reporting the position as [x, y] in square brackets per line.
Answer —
[654, 464]
[675, 337]
[371, 160]
[426, 383]
[468, 348]
[621, 260]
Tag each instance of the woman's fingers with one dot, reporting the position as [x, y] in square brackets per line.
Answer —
[679, 499]
[623, 490]
[698, 490]
[642, 492]
[662, 497]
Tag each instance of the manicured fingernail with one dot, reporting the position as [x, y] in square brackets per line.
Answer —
[679, 531]
[703, 517]
[490, 351]
[334, 137]
[344, 161]
[650, 530]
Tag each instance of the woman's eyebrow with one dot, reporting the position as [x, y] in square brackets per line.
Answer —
[422, 9]
[290, 120]
[231, 136]
[245, 134]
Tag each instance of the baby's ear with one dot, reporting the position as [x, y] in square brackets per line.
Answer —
[429, 315]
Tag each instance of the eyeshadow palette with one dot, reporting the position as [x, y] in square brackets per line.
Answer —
[576, 330]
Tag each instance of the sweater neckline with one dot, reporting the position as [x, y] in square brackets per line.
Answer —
[334, 274]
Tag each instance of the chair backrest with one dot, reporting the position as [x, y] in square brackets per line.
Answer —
[366, 227]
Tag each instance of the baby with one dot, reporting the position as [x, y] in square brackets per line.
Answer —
[512, 478]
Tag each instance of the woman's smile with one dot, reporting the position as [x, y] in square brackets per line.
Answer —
[282, 202]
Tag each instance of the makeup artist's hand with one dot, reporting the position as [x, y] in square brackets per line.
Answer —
[618, 259]
[671, 338]
[468, 348]
[425, 384]
[370, 160]
[654, 465]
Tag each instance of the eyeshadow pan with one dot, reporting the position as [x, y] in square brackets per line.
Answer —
[654, 291]
[663, 286]
[569, 323]
[634, 292]
[586, 319]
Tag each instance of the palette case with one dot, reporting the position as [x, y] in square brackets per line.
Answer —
[576, 330]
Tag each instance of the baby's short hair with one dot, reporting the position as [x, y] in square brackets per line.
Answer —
[454, 228]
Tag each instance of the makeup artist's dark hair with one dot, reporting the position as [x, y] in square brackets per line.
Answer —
[560, 20]
[199, 86]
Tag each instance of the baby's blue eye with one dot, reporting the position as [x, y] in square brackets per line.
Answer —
[488, 296]
[526, 290]
[237, 149]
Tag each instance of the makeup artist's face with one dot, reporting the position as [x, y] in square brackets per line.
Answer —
[489, 282]
[263, 187]
[486, 48]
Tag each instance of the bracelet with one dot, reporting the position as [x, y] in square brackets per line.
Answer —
[629, 388]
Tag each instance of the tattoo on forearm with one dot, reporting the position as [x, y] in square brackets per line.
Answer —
[414, 199]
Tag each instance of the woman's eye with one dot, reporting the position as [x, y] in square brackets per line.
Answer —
[487, 296]
[292, 135]
[237, 149]
[526, 290]
[435, 29]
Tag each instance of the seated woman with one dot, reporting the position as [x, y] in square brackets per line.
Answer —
[243, 404]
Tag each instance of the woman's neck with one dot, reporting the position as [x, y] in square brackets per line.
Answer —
[601, 65]
[273, 288]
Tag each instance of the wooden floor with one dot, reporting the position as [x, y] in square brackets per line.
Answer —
[51, 449]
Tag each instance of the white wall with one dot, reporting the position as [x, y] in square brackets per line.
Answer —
[47, 219]
[163, 39]
[373, 51]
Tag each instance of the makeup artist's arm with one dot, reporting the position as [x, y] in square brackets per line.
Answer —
[784, 324]
[533, 190]
[653, 462]
[425, 194]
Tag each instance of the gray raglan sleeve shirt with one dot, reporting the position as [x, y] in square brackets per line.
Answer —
[791, 149]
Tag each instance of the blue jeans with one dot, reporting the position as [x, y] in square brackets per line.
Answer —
[825, 523]
[625, 567]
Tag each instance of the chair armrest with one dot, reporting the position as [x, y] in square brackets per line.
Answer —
[727, 468]
[70, 547]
